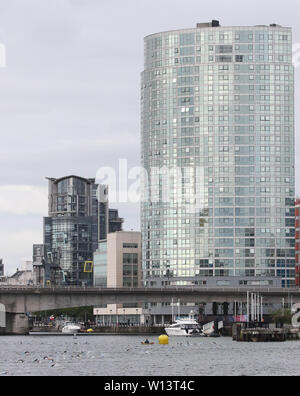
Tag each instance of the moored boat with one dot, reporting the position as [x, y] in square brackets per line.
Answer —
[187, 327]
[70, 328]
[210, 330]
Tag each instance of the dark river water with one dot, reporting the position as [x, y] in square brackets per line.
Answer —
[125, 356]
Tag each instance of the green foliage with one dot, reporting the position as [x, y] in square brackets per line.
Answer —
[282, 316]
[80, 313]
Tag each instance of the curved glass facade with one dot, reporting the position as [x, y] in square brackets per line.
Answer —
[71, 230]
[73, 196]
[218, 113]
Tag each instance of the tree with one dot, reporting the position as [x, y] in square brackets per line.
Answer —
[80, 313]
[281, 317]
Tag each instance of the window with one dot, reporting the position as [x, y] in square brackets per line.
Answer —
[130, 245]
[130, 258]
[224, 49]
[223, 58]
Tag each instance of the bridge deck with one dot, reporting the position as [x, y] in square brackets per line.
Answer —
[32, 299]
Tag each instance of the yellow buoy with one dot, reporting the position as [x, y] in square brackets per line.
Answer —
[163, 339]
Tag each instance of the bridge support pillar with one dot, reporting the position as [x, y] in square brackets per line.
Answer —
[16, 324]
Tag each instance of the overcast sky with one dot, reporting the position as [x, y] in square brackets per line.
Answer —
[70, 96]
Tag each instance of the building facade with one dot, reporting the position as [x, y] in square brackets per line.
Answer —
[38, 263]
[22, 276]
[117, 261]
[218, 148]
[100, 265]
[1, 268]
[297, 240]
[117, 264]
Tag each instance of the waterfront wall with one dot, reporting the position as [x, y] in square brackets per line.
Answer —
[243, 334]
[130, 330]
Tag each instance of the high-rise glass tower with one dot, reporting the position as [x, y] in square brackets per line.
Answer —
[71, 230]
[218, 113]
[79, 217]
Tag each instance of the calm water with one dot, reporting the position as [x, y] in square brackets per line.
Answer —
[124, 355]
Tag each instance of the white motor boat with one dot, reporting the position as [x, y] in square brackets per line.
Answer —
[70, 328]
[184, 327]
[209, 329]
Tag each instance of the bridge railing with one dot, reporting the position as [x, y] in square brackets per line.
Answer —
[168, 289]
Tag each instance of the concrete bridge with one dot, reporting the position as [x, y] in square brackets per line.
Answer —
[21, 300]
